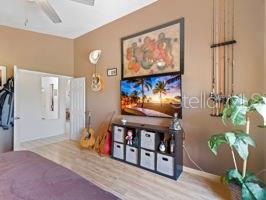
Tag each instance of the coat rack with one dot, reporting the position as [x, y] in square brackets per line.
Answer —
[222, 54]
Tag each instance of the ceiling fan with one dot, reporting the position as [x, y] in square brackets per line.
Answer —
[50, 11]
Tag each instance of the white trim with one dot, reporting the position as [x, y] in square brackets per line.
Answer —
[16, 75]
[16, 137]
[3, 75]
[207, 175]
[74, 90]
[44, 73]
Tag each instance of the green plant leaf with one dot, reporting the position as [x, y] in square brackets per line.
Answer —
[257, 191]
[242, 149]
[235, 110]
[215, 141]
[237, 139]
[250, 177]
[264, 99]
[256, 99]
[246, 194]
[238, 100]
[241, 144]
[246, 138]
[230, 138]
[261, 109]
[254, 186]
[233, 176]
[238, 116]
[226, 113]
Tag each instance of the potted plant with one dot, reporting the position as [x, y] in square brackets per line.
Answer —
[242, 183]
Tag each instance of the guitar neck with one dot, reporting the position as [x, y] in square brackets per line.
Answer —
[109, 125]
[89, 120]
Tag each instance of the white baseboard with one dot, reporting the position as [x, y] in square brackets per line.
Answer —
[207, 175]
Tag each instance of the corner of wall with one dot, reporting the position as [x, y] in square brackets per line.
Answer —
[264, 79]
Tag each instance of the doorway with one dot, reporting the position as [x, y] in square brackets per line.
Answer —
[43, 110]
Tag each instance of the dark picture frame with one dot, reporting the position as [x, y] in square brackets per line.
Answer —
[177, 42]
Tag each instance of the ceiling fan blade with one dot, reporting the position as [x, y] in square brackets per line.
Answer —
[49, 10]
[87, 2]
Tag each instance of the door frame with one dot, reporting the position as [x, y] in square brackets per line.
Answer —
[16, 136]
[72, 133]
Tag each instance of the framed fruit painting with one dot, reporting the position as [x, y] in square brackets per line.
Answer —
[159, 50]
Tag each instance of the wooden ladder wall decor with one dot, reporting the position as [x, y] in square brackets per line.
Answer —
[222, 54]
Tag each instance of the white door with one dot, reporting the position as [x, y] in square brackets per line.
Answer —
[16, 141]
[78, 106]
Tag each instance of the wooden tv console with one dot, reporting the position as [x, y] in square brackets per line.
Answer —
[144, 152]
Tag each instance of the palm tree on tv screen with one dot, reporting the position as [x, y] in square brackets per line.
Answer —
[160, 88]
[134, 96]
[124, 94]
[144, 83]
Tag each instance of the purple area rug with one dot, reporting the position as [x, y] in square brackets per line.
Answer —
[27, 176]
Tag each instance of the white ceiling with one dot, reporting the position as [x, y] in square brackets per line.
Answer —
[77, 18]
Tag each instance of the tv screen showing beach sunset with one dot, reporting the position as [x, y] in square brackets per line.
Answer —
[158, 96]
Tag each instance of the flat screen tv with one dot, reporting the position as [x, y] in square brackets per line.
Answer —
[156, 96]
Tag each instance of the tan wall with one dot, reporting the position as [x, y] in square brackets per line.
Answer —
[265, 50]
[198, 125]
[264, 76]
[36, 51]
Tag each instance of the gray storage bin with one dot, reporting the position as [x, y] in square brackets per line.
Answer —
[147, 159]
[119, 134]
[131, 154]
[165, 164]
[118, 151]
[147, 140]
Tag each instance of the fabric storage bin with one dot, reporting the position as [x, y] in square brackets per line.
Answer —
[147, 140]
[165, 164]
[147, 159]
[119, 134]
[131, 154]
[118, 151]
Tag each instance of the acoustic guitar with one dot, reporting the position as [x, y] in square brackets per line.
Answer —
[107, 142]
[103, 142]
[97, 83]
[88, 135]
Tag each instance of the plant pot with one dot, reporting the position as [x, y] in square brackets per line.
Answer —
[235, 191]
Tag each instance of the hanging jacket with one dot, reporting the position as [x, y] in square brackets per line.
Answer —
[7, 105]
[7, 112]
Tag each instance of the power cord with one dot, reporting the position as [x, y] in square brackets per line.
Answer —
[189, 157]
[191, 160]
[188, 154]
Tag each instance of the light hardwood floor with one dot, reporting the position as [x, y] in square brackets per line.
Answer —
[128, 182]
[41, 142]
